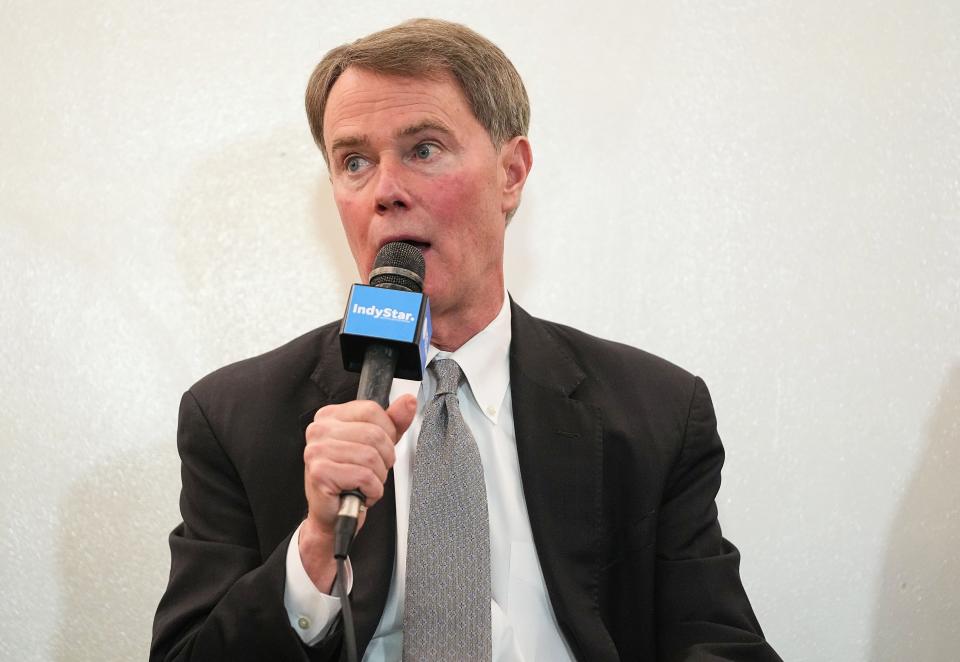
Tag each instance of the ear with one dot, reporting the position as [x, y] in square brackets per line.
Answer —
[516, 159]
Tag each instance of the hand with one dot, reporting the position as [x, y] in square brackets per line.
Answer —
[349, 446]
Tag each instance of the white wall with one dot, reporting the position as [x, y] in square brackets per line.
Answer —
[767, 193]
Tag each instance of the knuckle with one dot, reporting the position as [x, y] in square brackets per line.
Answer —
[317, 448]
[370, 477]
[317, 471]
[370, 456]
[317, 430]
[368, 408]
[373, 435]
[324, 412]
[390, 456]
[374, 491]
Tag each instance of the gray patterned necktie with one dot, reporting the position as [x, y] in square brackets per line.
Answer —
[447, 605]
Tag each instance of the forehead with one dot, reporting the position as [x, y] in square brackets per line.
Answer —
[363, 101]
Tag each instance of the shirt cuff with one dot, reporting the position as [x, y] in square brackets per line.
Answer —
[310, 611]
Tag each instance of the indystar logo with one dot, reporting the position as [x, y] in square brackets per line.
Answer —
[383, 313]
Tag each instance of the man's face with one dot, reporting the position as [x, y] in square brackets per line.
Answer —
[409, 161]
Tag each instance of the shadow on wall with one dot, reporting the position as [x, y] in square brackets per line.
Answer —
[266, 191]
[257, 241]
[113, 558]
[258, 244]
[918, 606]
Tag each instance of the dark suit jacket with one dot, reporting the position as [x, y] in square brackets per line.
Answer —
[620, 462]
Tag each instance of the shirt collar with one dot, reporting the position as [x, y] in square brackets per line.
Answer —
[485, 362]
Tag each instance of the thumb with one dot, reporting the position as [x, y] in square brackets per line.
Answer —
[401, 412]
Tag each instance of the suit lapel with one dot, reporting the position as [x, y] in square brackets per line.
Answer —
[372, 551]
[560, 450]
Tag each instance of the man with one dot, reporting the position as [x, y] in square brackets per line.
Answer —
[598, 464]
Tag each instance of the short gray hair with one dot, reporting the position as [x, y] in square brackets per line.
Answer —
[426, 47]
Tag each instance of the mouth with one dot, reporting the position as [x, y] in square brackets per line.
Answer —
[422, 246]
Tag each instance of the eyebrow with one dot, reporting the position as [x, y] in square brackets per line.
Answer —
[426, 125]
[351, 142]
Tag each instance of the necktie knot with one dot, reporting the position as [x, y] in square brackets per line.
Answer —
[448, 375]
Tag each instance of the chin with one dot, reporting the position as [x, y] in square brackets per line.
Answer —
[437, 299]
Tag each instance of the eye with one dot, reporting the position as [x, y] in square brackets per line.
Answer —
[424, 151]
[354, 163]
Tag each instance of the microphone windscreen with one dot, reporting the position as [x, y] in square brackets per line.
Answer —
[399, 265]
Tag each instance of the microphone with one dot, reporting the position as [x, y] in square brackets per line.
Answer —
[398, 266]
[385, 333]
[388, 325]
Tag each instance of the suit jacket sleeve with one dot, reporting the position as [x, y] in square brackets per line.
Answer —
[702, 610]
[224, 600]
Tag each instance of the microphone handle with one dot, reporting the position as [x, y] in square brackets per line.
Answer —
[376, 377]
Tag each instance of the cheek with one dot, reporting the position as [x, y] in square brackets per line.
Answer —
[355, 228]
[447, 197]
[350, 218]
[462, 201]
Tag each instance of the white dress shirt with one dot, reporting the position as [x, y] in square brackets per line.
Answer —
[524, 626]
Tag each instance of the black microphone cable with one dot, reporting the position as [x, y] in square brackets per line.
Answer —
[344, 529]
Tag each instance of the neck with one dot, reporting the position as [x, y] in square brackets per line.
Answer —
[452, 329]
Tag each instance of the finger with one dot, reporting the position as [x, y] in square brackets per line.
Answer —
[334, 478]
[401, 413]
[366, 411]
[363, 434]
[347, 452]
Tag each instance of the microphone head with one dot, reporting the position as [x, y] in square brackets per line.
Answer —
[399, 266]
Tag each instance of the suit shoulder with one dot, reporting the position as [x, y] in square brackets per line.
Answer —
[621, 367]
[635, 390]
[594, 348]
[290, 363]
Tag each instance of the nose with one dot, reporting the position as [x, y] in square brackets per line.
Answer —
[390, 193]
